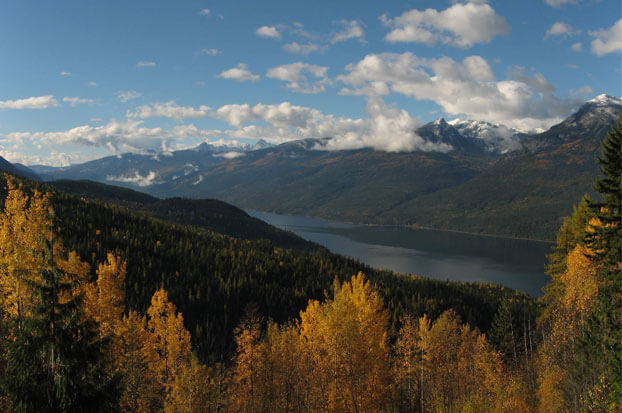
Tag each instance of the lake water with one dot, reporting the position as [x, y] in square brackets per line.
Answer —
[442, 255]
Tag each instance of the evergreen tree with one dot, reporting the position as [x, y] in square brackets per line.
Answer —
[600, 347]
[54, 360]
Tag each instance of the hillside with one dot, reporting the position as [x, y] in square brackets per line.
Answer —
[212, 278]
[209, 214]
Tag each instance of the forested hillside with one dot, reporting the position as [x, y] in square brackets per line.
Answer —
[115, 323]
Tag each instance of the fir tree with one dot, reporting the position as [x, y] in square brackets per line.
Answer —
[600, 347]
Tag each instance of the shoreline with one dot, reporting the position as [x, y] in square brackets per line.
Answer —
[411, 227]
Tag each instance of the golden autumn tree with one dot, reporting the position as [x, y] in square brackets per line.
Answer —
[24, 225]
[194, 390]
[345, 340]
[247, 387]
[141, 391]
[566, 314]
[168, 342]
[460, 371]
[104, 298]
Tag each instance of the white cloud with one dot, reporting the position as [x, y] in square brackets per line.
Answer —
[53, 157]
[229, 155]
[168, 110]
[297, 80]
[607, 40]
[557, 3]
[137, 179]
[304, 49]
[116, 137]
[462, 25]
[560, 29]
[210, 52]
[351, 30]
[582, 91]
[64, 74]
[145, 63]
[75, 101]
[268, 31]
[92, 84]
[576, 47]
[239, 73]
[384, 128]
[128, 95]
[35, 102]
[205, 12]
[467, 87]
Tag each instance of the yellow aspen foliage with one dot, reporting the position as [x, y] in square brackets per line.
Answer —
[104, 297]
[24, 223]
[141, 391]
[460, 370]
[346, 342]
[580, 280]
[169, 341]
[408, 363]
[246, 386]
[192, 390]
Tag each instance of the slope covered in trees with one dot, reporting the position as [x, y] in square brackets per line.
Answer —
[76, 338]
[207, 214]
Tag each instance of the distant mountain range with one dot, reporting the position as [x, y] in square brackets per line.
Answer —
[496, 179]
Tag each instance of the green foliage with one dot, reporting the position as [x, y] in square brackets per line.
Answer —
[54, 359]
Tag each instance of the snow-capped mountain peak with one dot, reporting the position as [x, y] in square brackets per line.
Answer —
[605, 100]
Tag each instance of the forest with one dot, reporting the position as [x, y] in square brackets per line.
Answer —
[106, 310]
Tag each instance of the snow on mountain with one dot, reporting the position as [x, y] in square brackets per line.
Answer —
[496, 137]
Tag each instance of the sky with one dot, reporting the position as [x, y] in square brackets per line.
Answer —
[80, 80]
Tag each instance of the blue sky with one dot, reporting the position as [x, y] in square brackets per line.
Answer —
[80, 80]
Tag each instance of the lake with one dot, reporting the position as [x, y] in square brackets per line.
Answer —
[444, 255]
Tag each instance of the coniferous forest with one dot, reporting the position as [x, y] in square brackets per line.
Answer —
[104, 309]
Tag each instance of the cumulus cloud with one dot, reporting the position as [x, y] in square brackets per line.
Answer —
[351, 30]
[607, 40]
[576, 47]
[229, 155]
[137, 179]
[383, 128]
[205, 12]
[462, 25]
[168, 110]
[468, 87]
[128, 95]
[239, 73]
[296, 76]
[75, 101]
[35, 102]
[560, 29]
[145, 63]
[304, 49]
[116, 137]
[268, 31]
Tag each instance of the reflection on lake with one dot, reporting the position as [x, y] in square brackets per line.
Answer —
[443, 255]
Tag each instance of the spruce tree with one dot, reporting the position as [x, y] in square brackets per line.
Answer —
[599, 355]
[55, 361]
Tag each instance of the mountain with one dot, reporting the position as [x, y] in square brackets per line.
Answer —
[496, 179]
[526, 193]
[440, 131]
[495, 137]
[18, 169]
